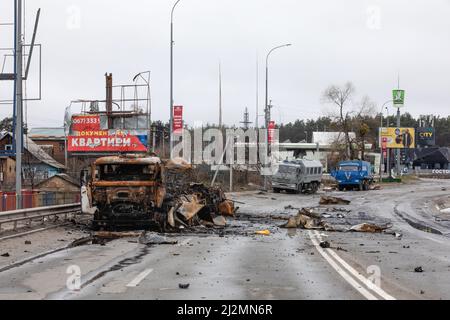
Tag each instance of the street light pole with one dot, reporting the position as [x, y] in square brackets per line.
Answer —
[267, 108]
[171, 79]
[381, 142]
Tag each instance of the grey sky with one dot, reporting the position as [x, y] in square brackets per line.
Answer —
[333, 42]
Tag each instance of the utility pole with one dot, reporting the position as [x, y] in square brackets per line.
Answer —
[246, 121]
[220, 96]
[257, 95]
[18, 103]
[171, 79]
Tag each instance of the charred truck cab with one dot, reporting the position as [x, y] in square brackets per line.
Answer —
[125, 191]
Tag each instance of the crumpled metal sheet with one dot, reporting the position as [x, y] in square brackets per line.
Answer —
[190, 207]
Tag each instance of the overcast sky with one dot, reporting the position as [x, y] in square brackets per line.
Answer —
[366, 42]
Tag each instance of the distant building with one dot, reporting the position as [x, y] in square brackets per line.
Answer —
[37, 164]
[60, 182]
[432, 158]
[330, 138]
[52, 140]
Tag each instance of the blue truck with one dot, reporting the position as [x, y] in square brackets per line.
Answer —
[353, 174]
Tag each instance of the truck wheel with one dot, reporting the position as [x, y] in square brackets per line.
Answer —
[361, 186]
[366, 185]
[276, 190]
[341, 188]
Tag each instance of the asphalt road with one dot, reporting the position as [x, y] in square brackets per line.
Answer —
[287, 264]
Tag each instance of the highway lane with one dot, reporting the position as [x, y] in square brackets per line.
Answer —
[288, 264]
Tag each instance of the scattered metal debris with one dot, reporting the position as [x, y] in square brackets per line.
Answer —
[183, 285]
[368, 227]
[325, 244]
[418, 269]
[149, 238]
[325, 200]
[263, 232]
[6, 255]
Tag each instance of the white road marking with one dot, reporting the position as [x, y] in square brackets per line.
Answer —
[341, 272]
[356, 274]
[139, 278]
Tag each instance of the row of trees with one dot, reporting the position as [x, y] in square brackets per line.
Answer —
[349, 114]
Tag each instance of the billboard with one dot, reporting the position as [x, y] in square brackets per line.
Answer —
[89, 134]
[399, 97]
[108, 141]
[177, 119]
[85, 123]
[271, 132]
[425, 137]
[398, 138]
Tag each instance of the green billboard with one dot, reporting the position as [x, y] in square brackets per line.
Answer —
[398, 97]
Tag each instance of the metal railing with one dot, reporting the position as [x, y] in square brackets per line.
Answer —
[14, 217]
[36, 199]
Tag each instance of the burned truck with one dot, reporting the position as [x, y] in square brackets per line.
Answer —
[132, 191]
[124, 191]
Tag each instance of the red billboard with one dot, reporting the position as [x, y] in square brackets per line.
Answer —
[108, 141]
[271, 132]
[85, 123]
[177, 119]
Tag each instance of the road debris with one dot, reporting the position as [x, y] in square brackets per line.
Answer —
[311, 219]
[325, 200]
[27, 242]
[116, 235]
[418, 269]
[324, 244]
[375, 187]
[183, 285]
[6, 255]
[263, 232]
[368, 227]
[149, 238]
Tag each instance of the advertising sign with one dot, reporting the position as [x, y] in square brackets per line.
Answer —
[108, 141]
[177, 119]
[398, 138]
[398, 97]
[85, 123]
[271, 132]
[425, 137]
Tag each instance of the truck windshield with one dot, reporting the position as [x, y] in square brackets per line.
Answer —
[114, 172]
[287, 169]
[348, 168]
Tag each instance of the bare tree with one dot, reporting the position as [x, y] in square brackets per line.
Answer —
[341, 97]
[350, 117]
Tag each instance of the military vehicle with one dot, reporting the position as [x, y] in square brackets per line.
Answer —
[298, 176]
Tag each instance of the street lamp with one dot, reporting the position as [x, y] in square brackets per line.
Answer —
[381, 142]
[267, 110]
[171, 78]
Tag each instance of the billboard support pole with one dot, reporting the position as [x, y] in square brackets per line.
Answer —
[398, 150]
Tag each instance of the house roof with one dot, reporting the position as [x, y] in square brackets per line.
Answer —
[47, 133]
[41, 155]
[36, 151]
[63, 176]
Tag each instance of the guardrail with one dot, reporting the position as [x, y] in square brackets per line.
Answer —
[30, 215]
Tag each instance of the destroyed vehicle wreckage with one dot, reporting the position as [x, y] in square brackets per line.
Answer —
[132, 191]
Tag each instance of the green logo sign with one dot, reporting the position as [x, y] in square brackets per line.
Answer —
[399, 97]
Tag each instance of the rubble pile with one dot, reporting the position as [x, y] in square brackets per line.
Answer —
[336, 219]
[191, 204]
